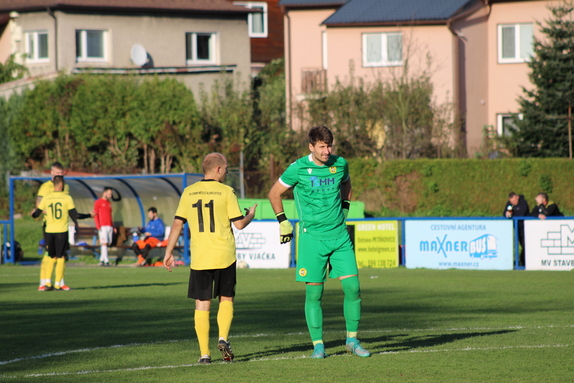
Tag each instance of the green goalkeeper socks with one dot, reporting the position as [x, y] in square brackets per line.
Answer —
[314, 311]
[352, 303]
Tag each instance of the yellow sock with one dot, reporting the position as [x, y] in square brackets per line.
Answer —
[44, 277]
[201, 319]
[224, 318]
[60, 270]
[49, 269]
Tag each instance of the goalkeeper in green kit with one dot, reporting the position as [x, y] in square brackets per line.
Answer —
[322, 189]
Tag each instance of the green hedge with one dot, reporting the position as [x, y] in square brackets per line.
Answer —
[466, 187]
[265, 211]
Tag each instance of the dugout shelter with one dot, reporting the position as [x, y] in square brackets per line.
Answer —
[133, 195]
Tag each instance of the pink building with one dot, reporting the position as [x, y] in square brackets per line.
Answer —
[479, 50]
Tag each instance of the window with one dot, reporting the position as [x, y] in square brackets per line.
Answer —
[515, 43]
[36, 46]
[257, 21]
[506, 121]
[91, 45]
[382, 49]
[200, 48]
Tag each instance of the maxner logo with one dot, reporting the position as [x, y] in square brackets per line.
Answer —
[559, 242]
[248, 241]
[484, 246]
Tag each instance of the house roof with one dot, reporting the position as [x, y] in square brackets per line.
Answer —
[311, 3]
[373, 12]
[128, 5]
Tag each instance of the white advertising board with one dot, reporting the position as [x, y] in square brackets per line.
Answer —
[459, 244]
[258, 247]
[549, 244]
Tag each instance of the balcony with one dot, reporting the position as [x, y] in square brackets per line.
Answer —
[313, 80]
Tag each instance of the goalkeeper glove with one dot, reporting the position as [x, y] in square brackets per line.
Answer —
[285, 228]
[346, 205]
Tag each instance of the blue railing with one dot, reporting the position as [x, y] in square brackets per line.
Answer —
[6, 244]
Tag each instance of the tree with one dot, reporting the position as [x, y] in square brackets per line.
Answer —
[394, 118]
[11, 70]
[349, 110]
[9, 161]
[166, 123]
[99, 125]
[33, 130]
[226, 112]
[538, 134]
[272, 146]
[409, 116]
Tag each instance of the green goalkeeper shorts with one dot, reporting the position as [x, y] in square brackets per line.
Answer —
[315, 256]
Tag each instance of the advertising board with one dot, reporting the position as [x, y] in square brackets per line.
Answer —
[258, 247]
[459, 244]
[549, 244]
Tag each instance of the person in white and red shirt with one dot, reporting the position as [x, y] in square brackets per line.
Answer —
[104, 223]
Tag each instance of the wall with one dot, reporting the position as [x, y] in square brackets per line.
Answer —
[305, 38]
[474, 54]
[345, 45]
[505, 81]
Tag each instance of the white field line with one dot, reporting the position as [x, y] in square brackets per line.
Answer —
[279, 358]
[48, 355]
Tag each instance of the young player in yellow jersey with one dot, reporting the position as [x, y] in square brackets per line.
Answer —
[209, 207]
[45, 189]
[58, 208]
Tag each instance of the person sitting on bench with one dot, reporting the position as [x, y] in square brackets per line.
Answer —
[154, 233]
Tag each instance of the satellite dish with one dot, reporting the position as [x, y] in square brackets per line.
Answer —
[139, 55]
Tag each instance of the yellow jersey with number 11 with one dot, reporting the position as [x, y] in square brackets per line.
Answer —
[209, 207]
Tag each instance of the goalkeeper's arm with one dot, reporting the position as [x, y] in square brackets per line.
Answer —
[346, 196]
[285, 227]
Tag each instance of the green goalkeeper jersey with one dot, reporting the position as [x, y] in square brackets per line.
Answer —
[317, 191]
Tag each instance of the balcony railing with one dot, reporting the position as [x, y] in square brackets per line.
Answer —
[313, 80]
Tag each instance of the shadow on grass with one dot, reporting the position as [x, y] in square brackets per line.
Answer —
[381, 344]
[132, 285]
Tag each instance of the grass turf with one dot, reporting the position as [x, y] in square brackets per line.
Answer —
[123, 324]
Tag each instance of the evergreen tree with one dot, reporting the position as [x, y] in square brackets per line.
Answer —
[541, 133]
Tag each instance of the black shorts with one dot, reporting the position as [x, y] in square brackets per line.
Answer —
[208, 284]
[57, 244]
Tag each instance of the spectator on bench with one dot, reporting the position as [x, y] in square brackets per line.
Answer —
[154, 233]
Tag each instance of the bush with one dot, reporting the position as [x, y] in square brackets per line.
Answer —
[463, 187]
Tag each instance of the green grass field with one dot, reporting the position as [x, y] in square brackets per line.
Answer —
[123, 324]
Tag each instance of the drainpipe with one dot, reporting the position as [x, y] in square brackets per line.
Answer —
[456, 65]
[289, 72]
[51, 13]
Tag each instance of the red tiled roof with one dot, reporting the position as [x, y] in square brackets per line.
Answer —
[134, 5]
